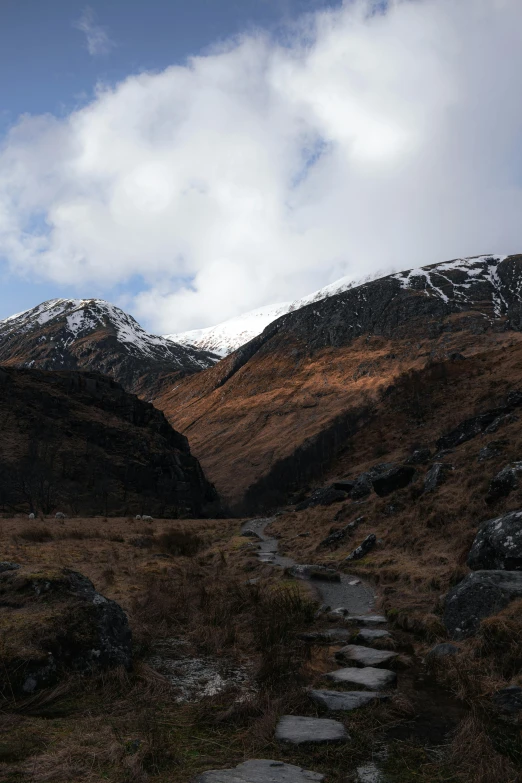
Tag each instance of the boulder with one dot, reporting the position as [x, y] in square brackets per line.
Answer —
[336, 537]
[363, 549]
[498, 544]
[6, 565]
[363, 487]
[504, 482]
[441, 651]
[321, 573]
[393, 479]
[322, 497]
[508, 702]
[346, 485]
[492, 450]
[436, 476]
[479, 595]
[469, 429]
[260, 771]
[368, 677]
[345, 701]
[299, 730]
[419, 457]
[54, 621]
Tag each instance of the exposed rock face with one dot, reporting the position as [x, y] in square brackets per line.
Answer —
[90, 334]
[504, 482]
[54, 621]
[419, 457]
[479, 595]
[261, 438]
[492, 450]
[79, 443]
[498, 544]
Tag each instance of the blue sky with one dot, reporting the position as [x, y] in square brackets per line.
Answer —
[193, 161]
[50, 70]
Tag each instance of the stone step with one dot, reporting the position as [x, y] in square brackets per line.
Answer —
[345, 701]
[367, 620]
[369, 635]
[364, 656]
[299, 730]
[260, 771]
[370, 678]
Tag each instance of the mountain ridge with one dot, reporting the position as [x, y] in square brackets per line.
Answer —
[92, 334]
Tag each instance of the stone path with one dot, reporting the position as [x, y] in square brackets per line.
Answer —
[352, 602]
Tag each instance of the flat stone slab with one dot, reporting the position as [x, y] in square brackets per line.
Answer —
[260, 771]
[345, 701]
[299, 730]
[368, 620]
[372, 679]
[369, 635]
[364, 656]
[330, 636]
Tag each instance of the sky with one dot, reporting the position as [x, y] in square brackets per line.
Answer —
[193, 161]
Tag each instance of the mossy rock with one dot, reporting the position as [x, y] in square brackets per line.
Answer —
[53, 621]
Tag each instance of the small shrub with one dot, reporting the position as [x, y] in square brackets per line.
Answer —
[35, 534]
[180, 543]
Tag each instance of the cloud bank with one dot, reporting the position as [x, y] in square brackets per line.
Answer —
[368, 138]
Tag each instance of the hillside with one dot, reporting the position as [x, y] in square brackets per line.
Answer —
[94, 335]
[78, 443]
[272, 416]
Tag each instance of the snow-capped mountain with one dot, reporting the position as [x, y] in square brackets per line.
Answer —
[91, 334]
[230, 335]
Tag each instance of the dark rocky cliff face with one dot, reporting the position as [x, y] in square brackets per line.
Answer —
[280, 408]
[77, 442]
[90, 334]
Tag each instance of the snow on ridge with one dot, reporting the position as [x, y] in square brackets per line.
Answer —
[229, 335]
[82, 316]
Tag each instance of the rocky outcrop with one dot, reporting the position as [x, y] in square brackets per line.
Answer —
[487, 422]
[479, 595]
[53, 622]
[498, 544]
[364, 548]
[397, 477]
[79, 443]
[436, 476]
[504, 482]
[322, 497]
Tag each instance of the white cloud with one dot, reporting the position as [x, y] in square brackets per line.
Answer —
[97, 39]
[264, 170]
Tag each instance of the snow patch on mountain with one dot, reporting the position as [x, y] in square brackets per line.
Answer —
[81, 317]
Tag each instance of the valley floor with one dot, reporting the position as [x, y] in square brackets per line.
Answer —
[196, 590]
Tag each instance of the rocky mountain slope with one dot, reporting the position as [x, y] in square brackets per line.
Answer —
[91, 334]
[230, 335]
[78, 443]
[274, 414]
